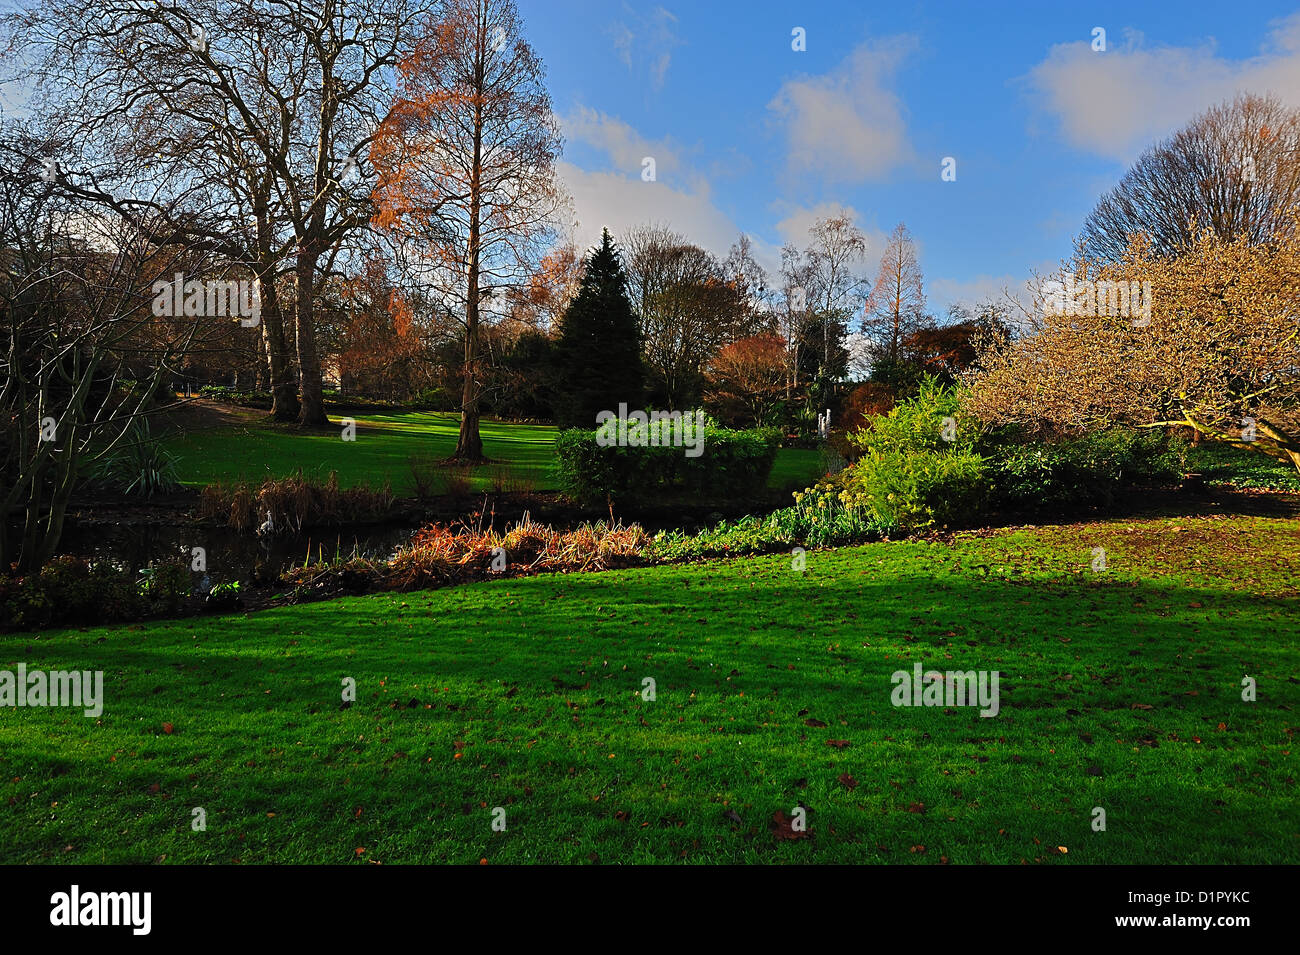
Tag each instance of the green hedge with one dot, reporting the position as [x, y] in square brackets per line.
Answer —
[732, 464]
[1086, 470]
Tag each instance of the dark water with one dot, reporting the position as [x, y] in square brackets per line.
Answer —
[229, 556]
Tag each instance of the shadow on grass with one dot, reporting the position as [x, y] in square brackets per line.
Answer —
[527, 694]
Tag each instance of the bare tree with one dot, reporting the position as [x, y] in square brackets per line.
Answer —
[896, 307]
[82, 353]
[685, 306]
[741, 269]
[821, 289]
[467, 166]
[258, 113]
[1234, 169]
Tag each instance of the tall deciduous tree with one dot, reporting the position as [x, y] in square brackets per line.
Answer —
[820, 291]
[467, 162]
[686, 307]
[896, 307]
[1234, 169]
[598, 355]
[256, 115]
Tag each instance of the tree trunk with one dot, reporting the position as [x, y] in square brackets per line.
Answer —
[469, 443]
[284, 398]
[311, 403]
[262, 363]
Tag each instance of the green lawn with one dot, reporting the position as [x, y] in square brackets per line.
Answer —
[1241, 467]
[1118, 689]
[383, 445]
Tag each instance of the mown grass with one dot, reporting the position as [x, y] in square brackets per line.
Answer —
[383, 447]
[1119, 689]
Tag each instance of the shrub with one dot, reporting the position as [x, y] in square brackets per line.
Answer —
[503, 479]
[820, 516]
[732, 464]
[917, 490]
[919, 467]
[139, 465]
[434, 478]
[166, 585]
[1086, 470]
[73, 590]
[434, 399]
[424, 475]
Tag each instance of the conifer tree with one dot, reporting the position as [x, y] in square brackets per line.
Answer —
[598, 356]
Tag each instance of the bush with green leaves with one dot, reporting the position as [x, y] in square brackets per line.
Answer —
[732, 464]
[68, 590]
[823, 515]
[1082, 471]
[139, 465]
[919, 467]
[73, 590]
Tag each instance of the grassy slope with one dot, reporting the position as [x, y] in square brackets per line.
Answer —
[383, 445]
[534, 683]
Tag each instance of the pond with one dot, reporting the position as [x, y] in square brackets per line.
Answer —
[229, 556]
[139, 539]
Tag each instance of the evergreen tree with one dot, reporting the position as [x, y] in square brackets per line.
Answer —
[598, 356]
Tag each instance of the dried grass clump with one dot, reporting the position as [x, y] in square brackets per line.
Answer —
[288, 505]
[439, 554]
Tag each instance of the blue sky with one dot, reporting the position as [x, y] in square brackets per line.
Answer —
[750, 135]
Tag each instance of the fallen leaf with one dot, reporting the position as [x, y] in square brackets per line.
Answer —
[848, 781]
[838, 743]
[813, 723]
[783, 828]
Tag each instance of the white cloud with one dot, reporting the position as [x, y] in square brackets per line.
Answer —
[625, 147]
[617, 202]
[646, 42]
[1113, 103]
[847, 126]
[618, 198]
